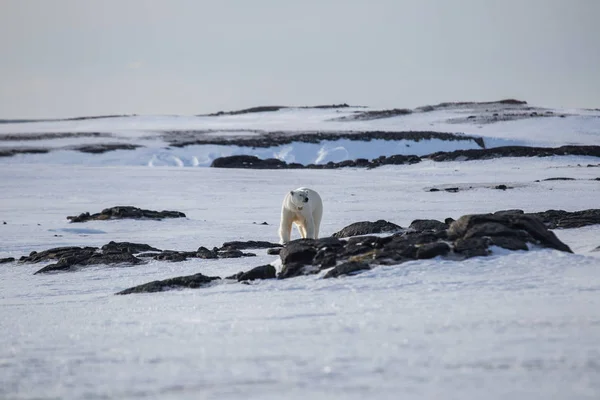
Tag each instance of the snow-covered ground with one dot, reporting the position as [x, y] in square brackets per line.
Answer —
[517, 324]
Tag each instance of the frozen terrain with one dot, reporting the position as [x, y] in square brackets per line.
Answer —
[524, 325]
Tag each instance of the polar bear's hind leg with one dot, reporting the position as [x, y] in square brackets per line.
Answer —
[285, 229]
[317, 215]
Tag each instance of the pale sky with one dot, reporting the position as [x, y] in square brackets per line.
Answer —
[64, 58]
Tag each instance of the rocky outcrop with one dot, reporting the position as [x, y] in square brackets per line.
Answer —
[514, 151]
[249, 244]
[7, 260]
[261, 272]
[468, 236]
[253, 162]
[375, 114]
[128, 254]
[557, 219]
[367, 227]
[127, 247]
[191, 282]
[12, 152]
[260, 109]
[265, 139]
[125, 212]
[89, 257]
[104, 148]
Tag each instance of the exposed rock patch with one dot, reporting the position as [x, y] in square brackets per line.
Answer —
[265, 139]
[12, 152]
[557, 219]
[191, 282]
[376, 114]
[250, 244]
[125, 212]
[104, 148]
[50, 136]
[6, 260]
[248, 161]
[514, 151]
[129, 254]
[253, 162]
[261, 272]
[260, 109]
[367, 227]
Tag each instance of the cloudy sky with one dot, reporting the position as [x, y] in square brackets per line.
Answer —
[64, 58]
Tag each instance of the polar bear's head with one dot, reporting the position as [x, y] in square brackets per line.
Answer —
[299, 198]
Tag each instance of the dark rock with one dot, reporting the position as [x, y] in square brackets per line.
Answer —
[427, 225]
[274, 251]
[559, 219]
[56, 254]
[397, 159]
[234, 254]
[250, 244]
[148, 255]
[529, 223]
[173, 256]
[367, 227]
[6, 260]
[329, 242]
[245, 161]
[294, 269]
[103, 148]
[509, 212]
[12, 152]
[300, 251]
[377, 114]
[515, 151]
[191, 282]
[262, 272]
[347, 268]
[452, 190]
[434, 190]
[205, 253]
[597, 249]
[431, 250]
[126, 212]
[501, 187]
[87, 258]
[559, 179]
[490, 229]
[258, 109]
[127, 247]
[325, 258]
[509, 242]
[472, 247]
[264, 139]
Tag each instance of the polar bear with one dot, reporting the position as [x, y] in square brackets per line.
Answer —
[303, 207]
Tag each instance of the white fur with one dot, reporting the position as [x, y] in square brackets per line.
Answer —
[305, 214]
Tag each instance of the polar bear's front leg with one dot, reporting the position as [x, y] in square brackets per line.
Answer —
[301, 229]
[285, 227]
[309, 228]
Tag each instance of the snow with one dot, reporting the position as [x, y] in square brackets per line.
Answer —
[517, 324]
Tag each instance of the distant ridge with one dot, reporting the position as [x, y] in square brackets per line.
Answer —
[23, 121]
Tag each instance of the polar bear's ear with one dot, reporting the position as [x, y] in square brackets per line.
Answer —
[292, 192]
